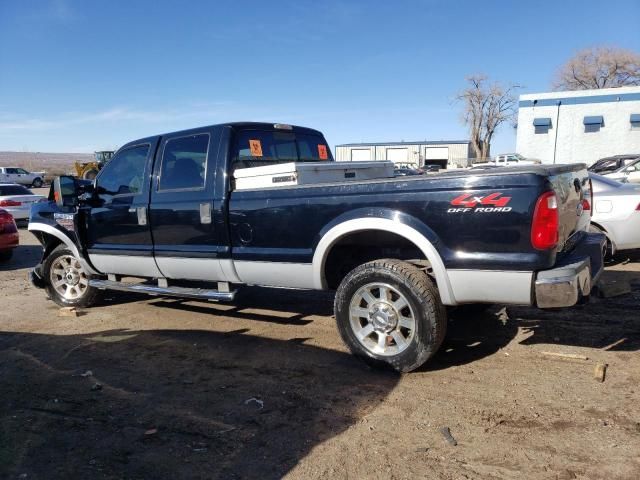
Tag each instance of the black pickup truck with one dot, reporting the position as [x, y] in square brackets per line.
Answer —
[397, 251]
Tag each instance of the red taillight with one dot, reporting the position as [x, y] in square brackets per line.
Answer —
[546, 221]
[7, 224]
[587, 202]
[9, 203]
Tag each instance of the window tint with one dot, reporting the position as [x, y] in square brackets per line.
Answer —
[255, 148]
[312, 148]
[11, 170]
[609, 165]
[6, 190]
[184, 163]
[124, 174]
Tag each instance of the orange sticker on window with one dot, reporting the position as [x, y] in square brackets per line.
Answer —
[256, 148]
[322, 152]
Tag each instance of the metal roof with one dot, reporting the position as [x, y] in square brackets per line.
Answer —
[422, 142]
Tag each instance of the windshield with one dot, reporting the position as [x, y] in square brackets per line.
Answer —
[6, 190]
[256, 148]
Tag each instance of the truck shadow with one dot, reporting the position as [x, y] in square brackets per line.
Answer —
[24, 256]
[274, 305]
[471, 337]
[604, 323]
[173, 403]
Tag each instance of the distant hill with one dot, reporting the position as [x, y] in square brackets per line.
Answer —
[52, 163]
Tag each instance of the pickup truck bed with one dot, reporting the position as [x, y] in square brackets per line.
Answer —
[395, 250]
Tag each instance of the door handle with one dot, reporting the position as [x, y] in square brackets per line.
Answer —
[205, 213]
[142, 215]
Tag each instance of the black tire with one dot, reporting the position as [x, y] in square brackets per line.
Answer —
[37, 183]
[86, 296]
[5, 255]
[90, 174]
[609, 250]
[398, 279]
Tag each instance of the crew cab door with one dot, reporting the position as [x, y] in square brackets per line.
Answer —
[118, 235]
[187, 242]
[10, 175]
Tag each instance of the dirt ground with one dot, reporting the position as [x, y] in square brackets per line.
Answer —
[153, 388]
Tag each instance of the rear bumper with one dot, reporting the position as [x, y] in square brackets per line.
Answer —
[573, 277]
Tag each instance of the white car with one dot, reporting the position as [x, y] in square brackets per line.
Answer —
[17, 200]
[513, 159]
[627, 173]
[616, 213]
[21, 176]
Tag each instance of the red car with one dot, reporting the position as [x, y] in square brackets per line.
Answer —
[9, 236]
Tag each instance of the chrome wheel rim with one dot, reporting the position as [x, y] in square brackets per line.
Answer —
[68, 278]
[382, 319]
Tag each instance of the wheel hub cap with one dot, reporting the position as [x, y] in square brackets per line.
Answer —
[72, 277]
[384, 317]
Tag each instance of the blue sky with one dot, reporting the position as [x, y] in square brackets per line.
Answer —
[78, 76]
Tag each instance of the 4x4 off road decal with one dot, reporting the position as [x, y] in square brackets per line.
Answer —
[468, 202]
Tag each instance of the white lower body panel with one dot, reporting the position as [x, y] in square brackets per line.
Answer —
[208, 269]
[488, 286]
[126, 265]
[276, 274]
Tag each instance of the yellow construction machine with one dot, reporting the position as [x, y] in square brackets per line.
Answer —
[89, 170]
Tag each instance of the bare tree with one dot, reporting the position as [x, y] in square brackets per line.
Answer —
[486, 107]
[600, 67]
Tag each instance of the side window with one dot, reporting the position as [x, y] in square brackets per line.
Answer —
[21, 170]
[184, 163]
[124, 174]
[11, 171]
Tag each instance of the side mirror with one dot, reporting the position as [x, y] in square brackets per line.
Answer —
[65, 191]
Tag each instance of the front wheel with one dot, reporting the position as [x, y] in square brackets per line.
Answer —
[90, 174]
[67, 283]
[389, 313]
[37, 183]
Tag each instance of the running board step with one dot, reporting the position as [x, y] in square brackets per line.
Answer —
[149, 289]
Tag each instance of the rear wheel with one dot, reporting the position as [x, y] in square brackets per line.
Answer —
[389, 313]
[90, 174]
[67, 283]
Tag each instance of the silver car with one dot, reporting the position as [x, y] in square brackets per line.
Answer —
[17, 200]
[616, 212]
[627, 173]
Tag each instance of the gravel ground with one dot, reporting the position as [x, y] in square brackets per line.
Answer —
[150, 388]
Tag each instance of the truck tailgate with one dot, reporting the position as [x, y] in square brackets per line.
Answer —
[571, 185]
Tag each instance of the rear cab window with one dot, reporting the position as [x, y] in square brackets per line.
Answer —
[258, 148]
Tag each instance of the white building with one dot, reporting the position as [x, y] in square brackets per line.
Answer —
[579, 126]
[443, 153]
